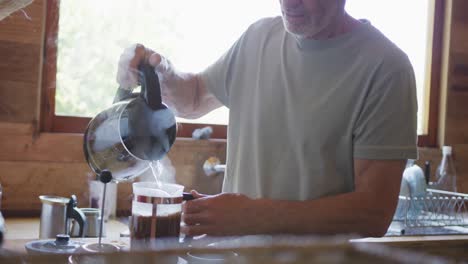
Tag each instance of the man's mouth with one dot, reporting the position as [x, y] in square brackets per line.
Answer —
[294, 14]
[294, 17]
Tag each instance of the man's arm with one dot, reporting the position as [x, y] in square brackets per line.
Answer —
[367, 211]
[185, 93]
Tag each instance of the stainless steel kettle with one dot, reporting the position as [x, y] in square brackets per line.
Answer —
[136, 130]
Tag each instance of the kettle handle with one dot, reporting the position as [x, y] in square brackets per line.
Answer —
[150, 89]
[187, 196]
[75, 213]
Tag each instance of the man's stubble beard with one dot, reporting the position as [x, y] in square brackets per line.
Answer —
[316, 27]
[309, 29]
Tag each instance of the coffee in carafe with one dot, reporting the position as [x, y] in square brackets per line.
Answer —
[148, 227]
[156, 212]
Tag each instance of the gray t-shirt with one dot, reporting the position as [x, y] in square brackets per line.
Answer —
[301, 110]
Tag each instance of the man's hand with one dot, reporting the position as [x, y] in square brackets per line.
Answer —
[131, 58]
[219, 215]
[367, 211]
[183, 93]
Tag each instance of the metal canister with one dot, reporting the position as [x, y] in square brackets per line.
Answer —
[93, 216]
[53, 216]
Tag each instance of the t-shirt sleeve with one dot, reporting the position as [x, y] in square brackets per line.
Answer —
[387, 124]
[230, 67]
[218, 75]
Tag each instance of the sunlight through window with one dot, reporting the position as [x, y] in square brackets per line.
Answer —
[193, 34]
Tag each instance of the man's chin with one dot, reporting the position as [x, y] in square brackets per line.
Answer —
[301, 32]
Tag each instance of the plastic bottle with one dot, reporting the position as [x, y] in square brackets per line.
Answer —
[414, 176]
[446, 177]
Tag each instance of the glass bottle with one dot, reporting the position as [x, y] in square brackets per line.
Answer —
[446, 178]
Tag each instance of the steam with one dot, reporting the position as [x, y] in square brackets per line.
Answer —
[26, 15]
[161, 172]
[152, 190]
[7, 7]
[155, 169]
[126, 77]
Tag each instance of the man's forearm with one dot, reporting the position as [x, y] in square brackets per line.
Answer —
[367, 211]
[186, 94]
[352, 213]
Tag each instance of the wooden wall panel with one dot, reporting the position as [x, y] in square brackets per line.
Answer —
[459, 73]
[45, 147]
[16, 129]
[456, 132]
[456, 127]
[23, 182]
[457, 92]
[18, 101]
[460, 38]
[55, 164]
[459, 11]
[20, 63]
[461, 166]
[61, 147]
[24, 26]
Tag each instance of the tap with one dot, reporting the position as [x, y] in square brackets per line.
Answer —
[212, 166]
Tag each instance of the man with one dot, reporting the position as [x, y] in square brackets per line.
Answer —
[322, 119]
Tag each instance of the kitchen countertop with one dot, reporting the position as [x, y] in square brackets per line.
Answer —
[21, 230]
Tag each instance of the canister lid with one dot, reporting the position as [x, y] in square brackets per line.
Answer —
[91, 211]
[51, 199]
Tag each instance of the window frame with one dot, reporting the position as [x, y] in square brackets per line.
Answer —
[70, 124]
[50, 122]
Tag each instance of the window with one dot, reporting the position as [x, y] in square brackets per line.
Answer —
[91, 35]
[407, 27]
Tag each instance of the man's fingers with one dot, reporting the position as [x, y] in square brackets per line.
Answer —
[197, 194]
[194, 206]
[154, 59]
[196, 218]
[144, 55]
[196, 230]
[201, 202]
[139, 56]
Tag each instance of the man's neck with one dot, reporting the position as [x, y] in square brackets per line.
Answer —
[342, 25]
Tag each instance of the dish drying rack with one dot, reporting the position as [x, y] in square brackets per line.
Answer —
[435, 209]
